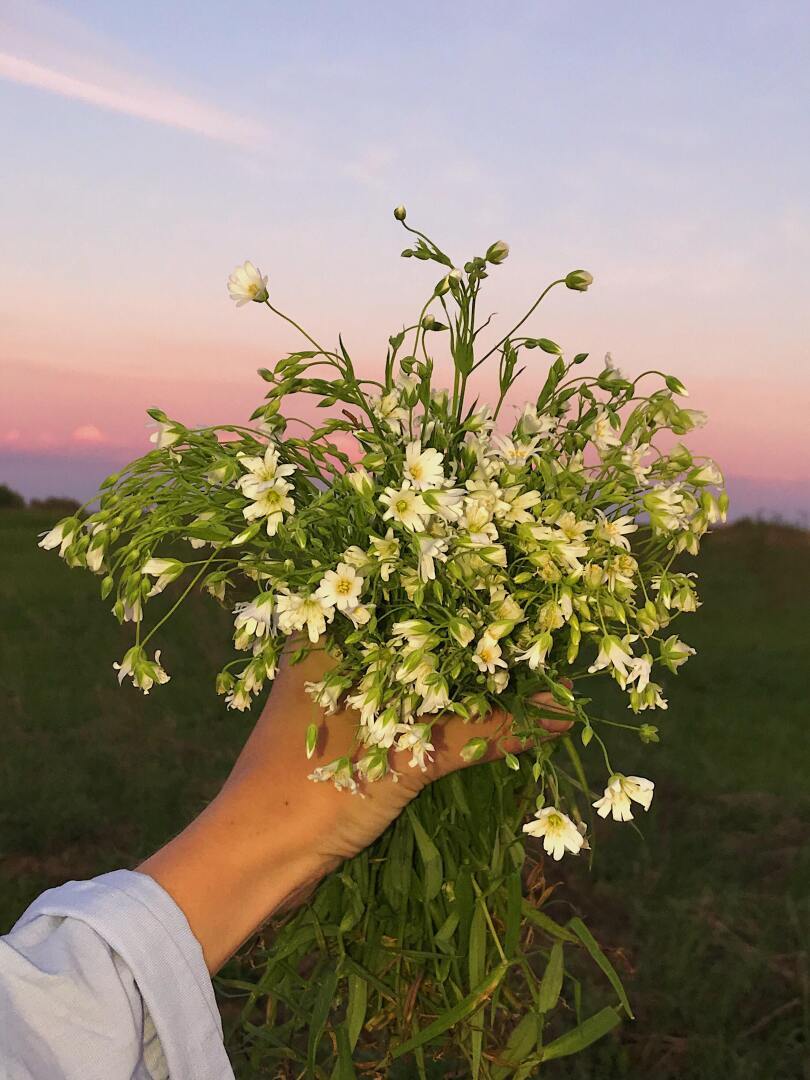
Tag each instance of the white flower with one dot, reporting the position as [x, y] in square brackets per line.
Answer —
[165, 570]
[514, 452]
[272, 504]
[435, 694]
[572, 528]
[326, 693]
[95, 555]
[296, 612]
[632, 456]
[619, 792]
[535, 655]
[262, 473]
[253, 619]
[339, 772]
[602, 434]
[166, 434]
[247, 283]
[447, 502]
[431, 549]
[359, 615]
[406, 506]
[487, 656]
[341, 587]
[533, 423]
[143, 672]
[61, 535]
[639, 672]
[615, 532]
[423, 468]
[416, 738]
[613, 653]
[416, 632]
[487, 495]
[386, 549]
[675, 652]
[388, 408]
[706, 474]
[665, 507]
[558, 831]
[520, 503]
[238, 698]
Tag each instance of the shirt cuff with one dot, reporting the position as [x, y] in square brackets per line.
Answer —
[146, 928]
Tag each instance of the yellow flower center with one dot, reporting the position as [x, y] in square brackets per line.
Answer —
[401, 506]
[416, 470]
[344, 587]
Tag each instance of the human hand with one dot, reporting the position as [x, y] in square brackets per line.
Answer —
[339, 825]
[271, 834]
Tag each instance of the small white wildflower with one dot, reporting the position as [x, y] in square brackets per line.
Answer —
[386, 549]
[423, 468]
[406, 506]
[558, 831]
[487, 656]
[247, 283]
[341, 587]
[618, 793]
[416, 738]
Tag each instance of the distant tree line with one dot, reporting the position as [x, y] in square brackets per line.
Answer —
[56, 504]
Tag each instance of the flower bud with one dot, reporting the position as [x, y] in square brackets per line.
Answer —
[361, 481]
[578, 280]
[399, 213]
[225, 682]
[428, 322]
[497, 252]
[373, 765]
[676, 386]
[474, 750]
[312, 739]
[461, 631]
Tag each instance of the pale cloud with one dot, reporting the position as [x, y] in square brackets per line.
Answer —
[88, 433]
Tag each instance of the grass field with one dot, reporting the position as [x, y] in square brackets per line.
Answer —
[707, 915]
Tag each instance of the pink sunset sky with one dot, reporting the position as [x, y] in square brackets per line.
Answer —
[152, 152]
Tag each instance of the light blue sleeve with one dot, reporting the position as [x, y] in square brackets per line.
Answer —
[104, 980]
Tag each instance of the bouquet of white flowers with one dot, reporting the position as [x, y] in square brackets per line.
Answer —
[445, 568]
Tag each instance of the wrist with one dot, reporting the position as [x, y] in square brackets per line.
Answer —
[239, 862]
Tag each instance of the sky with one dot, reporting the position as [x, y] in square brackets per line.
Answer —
[152, 147]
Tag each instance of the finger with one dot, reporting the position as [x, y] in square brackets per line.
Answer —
[450, 737]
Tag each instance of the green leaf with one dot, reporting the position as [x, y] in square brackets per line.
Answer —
[547, 924]
[551, 984]
[320, 1012]
[514, 900]
[431, 859]
[589, 941]
[586, 1033]
[356, 1008]
[521, 1043]
[344, 1069]
[468, 1005]
[477, 965]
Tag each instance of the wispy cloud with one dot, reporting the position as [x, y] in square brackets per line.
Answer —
[46, 46]
[157, 104]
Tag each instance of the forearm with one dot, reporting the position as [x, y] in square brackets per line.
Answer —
[232, 867]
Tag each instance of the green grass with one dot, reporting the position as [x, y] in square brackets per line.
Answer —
[706, 915]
